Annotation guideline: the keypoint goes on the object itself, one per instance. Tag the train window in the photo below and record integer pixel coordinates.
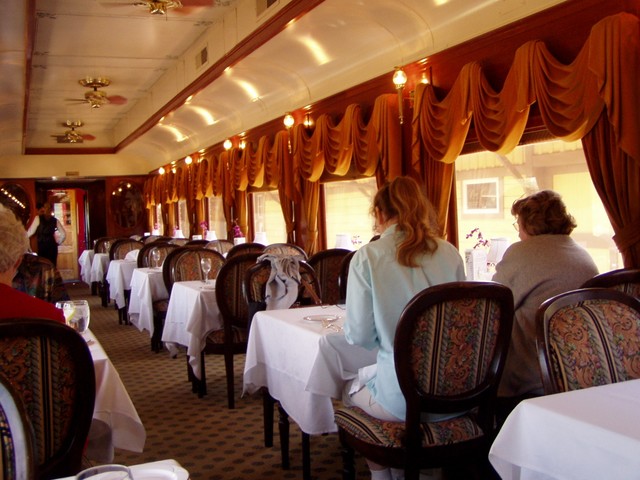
(215, 218)
(488, 184)
(268, 219)
(183, 218)
(348, 205)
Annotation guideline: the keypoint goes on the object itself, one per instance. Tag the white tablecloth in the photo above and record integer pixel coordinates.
(147, 286)
(590, 434)
(302, 364)
(99, 266)
(119, 277)
(191, 315)
(85, 260)
(113, 406)
(143, 469)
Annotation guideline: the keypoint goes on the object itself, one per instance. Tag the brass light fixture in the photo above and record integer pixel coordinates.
(95, 97)
(399, 80)
(288, 123)
(227, 144)
(159, 7)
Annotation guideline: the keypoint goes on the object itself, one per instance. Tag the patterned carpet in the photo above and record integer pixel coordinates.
(202, 434)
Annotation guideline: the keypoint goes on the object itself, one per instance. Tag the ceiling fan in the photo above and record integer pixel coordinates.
(97, 98)
(160, 7)
(71, 135)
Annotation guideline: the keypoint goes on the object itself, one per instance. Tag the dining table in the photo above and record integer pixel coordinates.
(192, 313)
(116, 423)
(99, 266)
(302, 357)
(167, 469)
(119, 275)
(84, 260)
(588, 434)
(147, 286)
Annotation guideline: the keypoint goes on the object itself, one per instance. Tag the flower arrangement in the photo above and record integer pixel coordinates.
(480, 240)
(204, 226)
(237, 233)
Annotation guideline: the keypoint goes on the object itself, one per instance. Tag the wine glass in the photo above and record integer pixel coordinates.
(106, 472)
(155, 257)
(77, 314)
(205, 263)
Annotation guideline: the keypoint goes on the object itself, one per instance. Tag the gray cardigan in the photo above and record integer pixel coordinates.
(536, 269)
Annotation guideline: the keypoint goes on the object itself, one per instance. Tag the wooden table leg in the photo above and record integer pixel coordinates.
(306, 456)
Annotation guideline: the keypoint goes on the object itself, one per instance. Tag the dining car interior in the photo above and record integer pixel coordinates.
(212, 167)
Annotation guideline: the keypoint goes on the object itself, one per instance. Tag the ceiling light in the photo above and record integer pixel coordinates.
(188, 160)
(161, 170)
(227, 144)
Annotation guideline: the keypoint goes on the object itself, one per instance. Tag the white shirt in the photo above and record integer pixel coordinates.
(62, 234)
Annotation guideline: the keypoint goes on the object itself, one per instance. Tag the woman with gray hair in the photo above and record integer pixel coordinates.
(13, 245)
(546, 262)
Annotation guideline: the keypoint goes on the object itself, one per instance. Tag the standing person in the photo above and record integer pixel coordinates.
(45, 226)
(383, 277)
(544, 263)
(13, 245)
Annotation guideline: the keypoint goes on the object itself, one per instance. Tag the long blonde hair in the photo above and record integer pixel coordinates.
(402, 198)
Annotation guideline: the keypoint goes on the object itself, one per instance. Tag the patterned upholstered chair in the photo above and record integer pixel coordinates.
(285, 249)
(16, 436)
(231, 339)
(144, 256)
(344, 275)
(50, 367)
(241, 248)
(626, 280)
(327, 265)
(254, 291)
(220, 245)
(38, 277)
(449, 350)
(588, 337)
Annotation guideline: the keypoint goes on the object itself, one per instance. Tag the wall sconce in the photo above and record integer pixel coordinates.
(308, 121)
(161, 170)
(399, 80)
(242, 144)
(188, 160)
(288, 123)
(227, 144)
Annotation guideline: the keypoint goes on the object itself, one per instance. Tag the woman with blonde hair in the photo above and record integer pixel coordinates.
(384, 275)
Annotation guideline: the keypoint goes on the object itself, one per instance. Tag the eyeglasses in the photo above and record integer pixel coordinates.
(516, 226)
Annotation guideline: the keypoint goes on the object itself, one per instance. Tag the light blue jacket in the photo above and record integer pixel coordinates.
(378, 290)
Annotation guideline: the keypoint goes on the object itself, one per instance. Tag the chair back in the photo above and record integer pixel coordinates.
(122, 246)
(184, 264)
(241, 248)
(199, 243)
(286, 249)
(327, 265)
(38, 277)
(144, 256)
(450, 348)
(255, 281)
(181, 242)
(103, 244)
(155, 238)
(588, 337)
(50, 367)
(222, 246)
(16, 436)
(344, 274)
(626, 280)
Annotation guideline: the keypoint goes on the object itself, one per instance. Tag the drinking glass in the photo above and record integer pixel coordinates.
(77, 314)
(106, 472)
(155, 256)
(205, 263)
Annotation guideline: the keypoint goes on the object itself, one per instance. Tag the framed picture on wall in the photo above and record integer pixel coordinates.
(481, 196)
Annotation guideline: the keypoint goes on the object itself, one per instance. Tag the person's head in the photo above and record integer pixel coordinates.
(13, 242)
(542, 213)
(402, 202)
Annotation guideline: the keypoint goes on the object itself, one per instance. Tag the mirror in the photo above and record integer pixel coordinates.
(16, 198)
(127, 205)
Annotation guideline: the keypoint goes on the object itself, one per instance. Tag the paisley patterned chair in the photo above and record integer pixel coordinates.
(327, 264)
(241, 248)
(588, 337)
(16, 436)
(38, 277)
(626, 280)
(232, 338)
(50, 368)
(449, 350)
(285, 249)
(222, 246)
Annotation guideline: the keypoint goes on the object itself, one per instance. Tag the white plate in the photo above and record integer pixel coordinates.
(321, 318)
(168, 472)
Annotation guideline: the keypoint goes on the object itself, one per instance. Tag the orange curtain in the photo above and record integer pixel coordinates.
(571, 99)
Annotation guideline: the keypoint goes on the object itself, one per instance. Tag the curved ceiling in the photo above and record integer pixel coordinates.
(152, 61)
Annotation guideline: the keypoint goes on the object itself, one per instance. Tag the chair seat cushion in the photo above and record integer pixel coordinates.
(217, 336)
(390, 434)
